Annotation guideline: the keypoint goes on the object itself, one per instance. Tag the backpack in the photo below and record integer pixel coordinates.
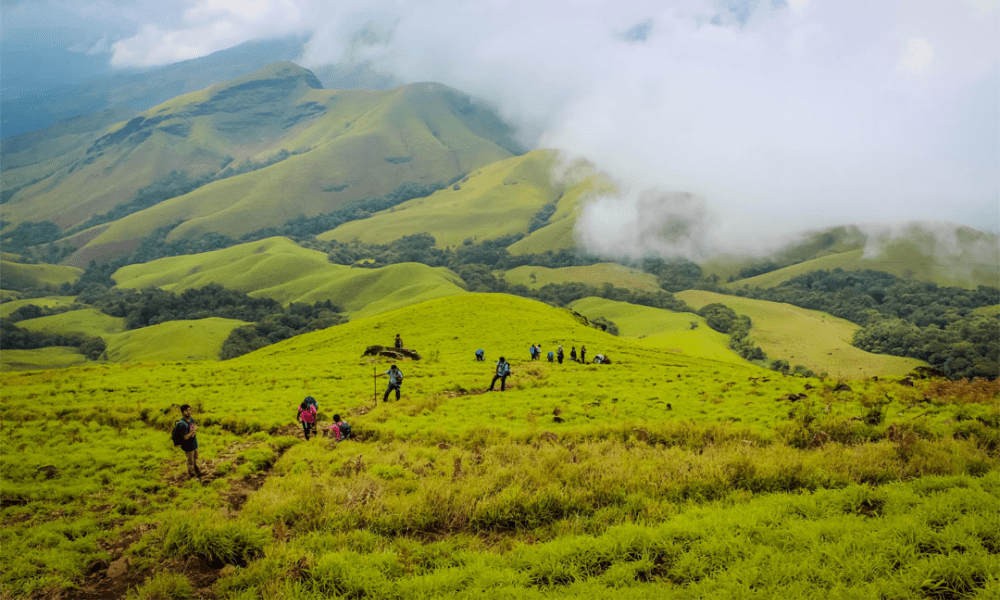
(177, 436)
(345, 430)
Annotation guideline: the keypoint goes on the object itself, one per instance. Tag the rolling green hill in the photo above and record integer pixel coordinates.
(596, 275)
(661, 328)
(499, 199)
(278, 268)
(88, 321)
(946, 254)
(54, 357)
(810, 338)
(47, 302)
(172, 341)
(655, 473)
(420, 133)
(22, 276)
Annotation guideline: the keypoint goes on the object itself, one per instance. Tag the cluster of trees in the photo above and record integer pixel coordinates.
(13, 337)
(678, 274)
(904, 318)
(296, 320)
(725, 320)
(420, 248)
(271, 322)
(29, 234)
(153, 305)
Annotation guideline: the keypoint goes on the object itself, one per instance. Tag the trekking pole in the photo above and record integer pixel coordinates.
(375, 383)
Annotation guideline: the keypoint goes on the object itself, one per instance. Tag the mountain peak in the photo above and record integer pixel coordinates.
(275, 72)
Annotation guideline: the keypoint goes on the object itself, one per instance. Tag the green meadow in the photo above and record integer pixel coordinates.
(278, 268)
(810, 338)
(498, 199)
(658, 475)
(597, 275)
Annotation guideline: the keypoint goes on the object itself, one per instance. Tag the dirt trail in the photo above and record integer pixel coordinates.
(112, 579)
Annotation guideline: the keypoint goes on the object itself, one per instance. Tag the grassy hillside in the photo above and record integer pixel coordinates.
(596, 275)
(278, 268)
(21, 276)
(805, 337)
(47, 302)
(496, 200)
(55, 357)
(946, 254)
(89, 321)
(655, 476)
(421, 133)
(171, 341)
(662, 329)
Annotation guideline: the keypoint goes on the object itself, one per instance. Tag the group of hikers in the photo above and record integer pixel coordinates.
(536, 353)
(185, 430)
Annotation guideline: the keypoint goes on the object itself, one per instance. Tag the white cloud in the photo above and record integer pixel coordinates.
(820, 113)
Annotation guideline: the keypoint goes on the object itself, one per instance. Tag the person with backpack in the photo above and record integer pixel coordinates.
(559, 354)
(395, 381)
(583, 354)
(534, 352)
(307, 416)
(398, 343)
(185, 435)
(480, 355)
(550, 356)
(340, 429)
(572, 354)
(503, 372)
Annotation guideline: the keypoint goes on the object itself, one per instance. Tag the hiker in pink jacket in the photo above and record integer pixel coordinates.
(307, 415)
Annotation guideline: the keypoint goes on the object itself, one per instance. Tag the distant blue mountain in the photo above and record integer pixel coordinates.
(35, 100)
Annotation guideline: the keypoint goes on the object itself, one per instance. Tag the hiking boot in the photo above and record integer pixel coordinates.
(197, 471)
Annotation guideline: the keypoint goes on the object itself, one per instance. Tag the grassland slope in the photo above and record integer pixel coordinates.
(496, 200)
(596, 275)
(172, 341)
(420, 133)
(681, 333)
(278, 268)
(88, 321)
(22, 276)
(805, 337)
(946, 254)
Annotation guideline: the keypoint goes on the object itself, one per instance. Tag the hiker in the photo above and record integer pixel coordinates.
(480, 355)
(534, 352)
(550, 355)
(185, 435)
(572, 354)
(583, 354)
(598, 359)
(307, 416)
(538, 352)
(395, 380)
(503, 372)
(398, 342)
(559, 354)
(340, 429)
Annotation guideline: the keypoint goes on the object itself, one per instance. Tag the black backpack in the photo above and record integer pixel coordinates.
(177, 435)
(345, 430)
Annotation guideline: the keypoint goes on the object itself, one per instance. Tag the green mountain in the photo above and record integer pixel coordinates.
(269, 147)
(943, 253)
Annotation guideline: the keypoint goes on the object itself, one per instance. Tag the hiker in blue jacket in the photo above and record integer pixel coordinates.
(503, 372)
(395, 381)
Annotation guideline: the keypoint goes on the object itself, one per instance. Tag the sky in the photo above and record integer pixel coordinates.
(728, 124)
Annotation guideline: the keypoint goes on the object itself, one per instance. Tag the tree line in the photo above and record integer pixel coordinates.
(914, 319)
